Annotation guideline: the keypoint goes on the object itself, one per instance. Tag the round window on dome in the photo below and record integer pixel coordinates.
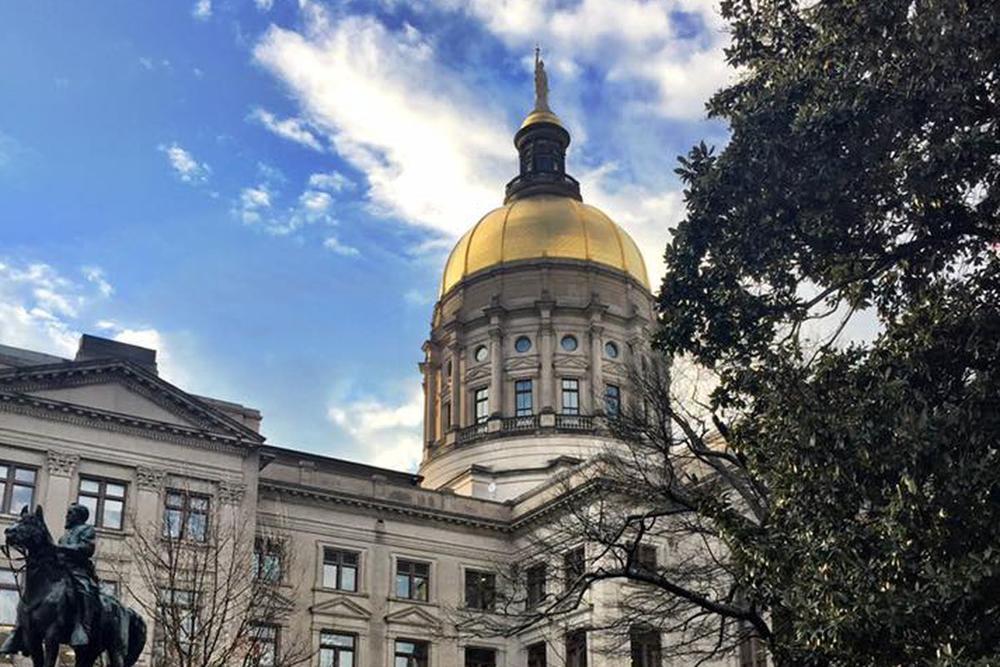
(569, 343)
(522, 344)
(611, 350)
(481, 353)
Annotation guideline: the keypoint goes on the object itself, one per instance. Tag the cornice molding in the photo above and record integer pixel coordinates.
(116, 422)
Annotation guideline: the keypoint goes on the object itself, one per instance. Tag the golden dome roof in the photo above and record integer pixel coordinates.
(543, 226)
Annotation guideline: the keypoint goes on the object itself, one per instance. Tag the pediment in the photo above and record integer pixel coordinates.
(120, 389)
(341, 607)
(571, 362)
(115, 397)
(415, 616)
(522, 364)
(477, 373)
(613, 368)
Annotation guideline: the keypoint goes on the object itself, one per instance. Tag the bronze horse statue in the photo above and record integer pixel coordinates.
(47, 611)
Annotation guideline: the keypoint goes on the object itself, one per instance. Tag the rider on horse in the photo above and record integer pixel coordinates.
(75, 549)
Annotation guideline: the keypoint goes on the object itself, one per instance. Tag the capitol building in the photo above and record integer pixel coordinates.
(544, 304)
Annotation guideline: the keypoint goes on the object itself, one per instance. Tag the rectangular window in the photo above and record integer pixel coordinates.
(445, 417)
(17, 488)
(336, 649)
(536, 576)
(410, 653)
(8, 597)
(573, 566)
(267, 557)
(576, 649)
(340, 569)
(105, 499)
(524, 402)
(480, 657)
(263, 645)
(752, 653)
(645, 557)
(537, 655)
(570, 396)
(480, 590)
(178, 625)
(612, 400)
(412, 580)
(185, 516)
(645, 645)
(482, 403)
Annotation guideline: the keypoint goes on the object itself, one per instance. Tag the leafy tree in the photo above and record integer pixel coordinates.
(861, 176)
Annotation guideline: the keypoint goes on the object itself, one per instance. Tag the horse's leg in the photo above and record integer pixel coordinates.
(37, 655)
(51, 649)
(85, 657)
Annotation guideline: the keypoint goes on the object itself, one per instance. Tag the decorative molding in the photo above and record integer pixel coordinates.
(566, 361)
(61, 464)
(414, 616)
(342, 607)
(530, 363)
(150, 479)
(81, 415)
(477, 373)
(231, 493)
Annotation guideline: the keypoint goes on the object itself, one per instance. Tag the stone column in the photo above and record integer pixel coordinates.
(496, 371)
(546, 334)
(457, 366)
(59, 492)
(596, 368)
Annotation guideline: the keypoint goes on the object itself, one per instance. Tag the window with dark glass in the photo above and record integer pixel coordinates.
(537, 655)
(645, 556)
(570, 396)
(576, 649)
(180, 606)
(17, 487)
(535, 585)
(522, 344)
(573, 566)
(569, 343)
(185, 516)
(481, 399)
(645, 647)
(480, 590)
(340, 569)
(412, 580)
(446, 416)
(267, 557)
(410, 653)
(612, 400)
(480, 657)
(752, 653)
(106, 501)
(611, 350)
(8, 597)
(336, 649)
(523, 399)
(263, 645)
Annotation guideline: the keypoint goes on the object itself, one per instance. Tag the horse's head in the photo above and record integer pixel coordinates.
(30, 531)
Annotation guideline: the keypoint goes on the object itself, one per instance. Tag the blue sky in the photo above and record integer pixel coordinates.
(266, 190)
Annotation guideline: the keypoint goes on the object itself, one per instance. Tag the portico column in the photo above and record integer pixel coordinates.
(546, 335)
(457, 364)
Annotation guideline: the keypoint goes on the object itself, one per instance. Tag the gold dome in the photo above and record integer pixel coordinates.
(543, 226)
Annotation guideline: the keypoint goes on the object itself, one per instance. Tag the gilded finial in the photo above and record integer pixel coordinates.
(541, 83)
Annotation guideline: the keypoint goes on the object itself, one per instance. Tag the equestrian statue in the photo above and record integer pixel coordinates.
(61, 601)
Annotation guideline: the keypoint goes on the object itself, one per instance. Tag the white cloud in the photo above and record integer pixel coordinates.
(333, 244)
(185, 165)
(96, 276)
(641, 41)
(255, 198)
(257, 207)
(202, 10)
(264, 5)
(432, 153)
(387, 434)
(293, 129)
(332, 181)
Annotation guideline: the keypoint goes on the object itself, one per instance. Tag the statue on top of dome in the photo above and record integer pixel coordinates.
(541, 83)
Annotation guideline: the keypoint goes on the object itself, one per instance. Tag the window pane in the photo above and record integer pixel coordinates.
(402, 586)
(422, 568)
(115, 490)
(349, 557)
(329, 576)
(8, 606)
(175, 500)
(90, 503)
(113, 513)
(3, 471)
(420, 586)
(24, 475)
(172, 523)
(199, 504)
(20, 497)
(89, 486)
(348, 579)
(196, 527)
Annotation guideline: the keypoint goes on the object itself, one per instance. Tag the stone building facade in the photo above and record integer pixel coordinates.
(544, 303)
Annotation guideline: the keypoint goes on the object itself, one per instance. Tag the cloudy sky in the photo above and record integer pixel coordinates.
(265, 190)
